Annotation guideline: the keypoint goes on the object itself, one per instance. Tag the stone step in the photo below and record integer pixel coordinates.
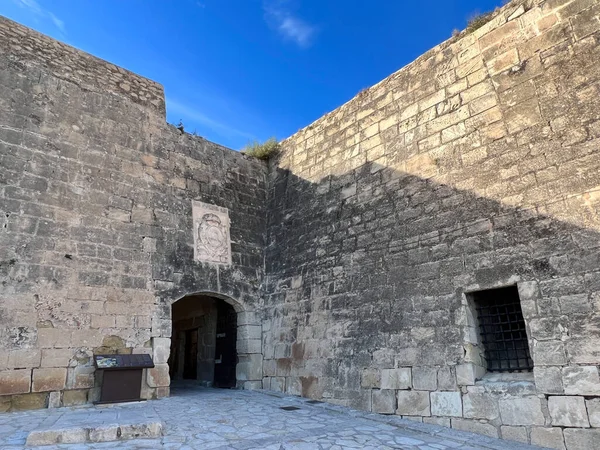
(102, 433)
(97, 424)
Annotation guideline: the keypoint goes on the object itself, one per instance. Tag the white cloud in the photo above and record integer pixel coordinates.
(279, 15)
(35, 8)
(59, 23)
(191, 114)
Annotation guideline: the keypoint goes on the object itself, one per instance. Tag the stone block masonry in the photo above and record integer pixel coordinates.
(475, 167)
(358, 255)
(96, 238)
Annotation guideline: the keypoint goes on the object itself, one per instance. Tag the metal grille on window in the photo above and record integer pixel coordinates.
(502, 330)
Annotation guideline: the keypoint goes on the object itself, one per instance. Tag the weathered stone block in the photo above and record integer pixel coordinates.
(441, 421)
(277, 384)
(581, 439)
(23, 402)
(103, 321)
(15, 381)
(80, 377)
(249, 368)
(145, 430)
(163, 391)
(249, 332)
(370, 378)
(396, 378)
(253, 385)
(549, 353)
(593, 409)
(5, 403)
(446, 404)
(106, 433)
(473, 426)
(292, 386)
(247, 318)
(518, 434)
(521, 411)
(56, 357)
(161, 348)
(384, 401)
(446, 378)
(45, 437)
(548, 437)
(581, 380)
(480, 406)
(568, 411)
(467, 374)
(424, 378)
(413, 403)
(548, 380)
(49, 379)
(249, 346)
(54, 399)
(24, 358)
(158, 376)
(73, 398)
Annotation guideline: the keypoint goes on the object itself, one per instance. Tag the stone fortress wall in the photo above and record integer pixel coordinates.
(356, 250)
(477, 166)
(96, 236)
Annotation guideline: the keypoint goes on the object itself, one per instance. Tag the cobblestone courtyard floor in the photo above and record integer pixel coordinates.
(230, 419)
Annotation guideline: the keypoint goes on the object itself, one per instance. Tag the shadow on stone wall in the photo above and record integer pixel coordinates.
(368, 270)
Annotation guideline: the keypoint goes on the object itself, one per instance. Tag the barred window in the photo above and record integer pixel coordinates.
(502, 330)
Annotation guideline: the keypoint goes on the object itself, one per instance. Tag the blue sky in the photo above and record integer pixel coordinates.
(239, 70)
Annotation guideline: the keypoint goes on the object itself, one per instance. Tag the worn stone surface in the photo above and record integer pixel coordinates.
(521, 411)
(518, 434)
(581, 439)
(581, 380)
(413, 403)
(384, 401)
(480, 406)
(15, 382)
(353, 252)
(396, 378)
(568, 411)
(474, 426)
(446, 404)
(48, 379)
(593, 409)
(96, 228)
(548, 437)
(229, 419)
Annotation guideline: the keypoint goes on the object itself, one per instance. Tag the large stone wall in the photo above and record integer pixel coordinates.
(475, 167)
(96, 236)
(353, 254)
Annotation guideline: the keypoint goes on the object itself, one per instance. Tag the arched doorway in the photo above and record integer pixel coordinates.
(215, 341)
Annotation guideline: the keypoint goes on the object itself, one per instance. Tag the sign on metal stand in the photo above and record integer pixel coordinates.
(122, 377)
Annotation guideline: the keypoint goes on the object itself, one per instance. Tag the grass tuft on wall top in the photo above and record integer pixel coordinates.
(262, 151)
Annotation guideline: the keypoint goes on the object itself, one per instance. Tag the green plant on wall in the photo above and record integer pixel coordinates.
(262, 151)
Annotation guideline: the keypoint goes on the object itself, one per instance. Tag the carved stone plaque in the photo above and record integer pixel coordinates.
(212, 242)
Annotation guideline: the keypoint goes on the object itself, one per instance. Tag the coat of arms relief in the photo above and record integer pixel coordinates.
(212, 242)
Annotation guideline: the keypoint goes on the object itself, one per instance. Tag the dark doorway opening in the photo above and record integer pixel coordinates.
(190, 363)
(203, 342)
(225, 348)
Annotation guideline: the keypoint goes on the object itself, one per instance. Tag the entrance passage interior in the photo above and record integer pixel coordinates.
(203, 343)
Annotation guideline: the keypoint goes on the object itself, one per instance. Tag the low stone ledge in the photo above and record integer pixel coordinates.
(100, 433)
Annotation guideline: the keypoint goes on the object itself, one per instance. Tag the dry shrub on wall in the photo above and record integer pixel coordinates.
(262, 151)
(479, 20)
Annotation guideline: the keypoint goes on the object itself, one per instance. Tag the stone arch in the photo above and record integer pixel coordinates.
(249, 338)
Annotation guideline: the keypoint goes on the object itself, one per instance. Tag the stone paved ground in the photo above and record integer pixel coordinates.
(245, 420)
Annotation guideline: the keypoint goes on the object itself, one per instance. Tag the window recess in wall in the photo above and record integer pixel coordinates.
(502, 330)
